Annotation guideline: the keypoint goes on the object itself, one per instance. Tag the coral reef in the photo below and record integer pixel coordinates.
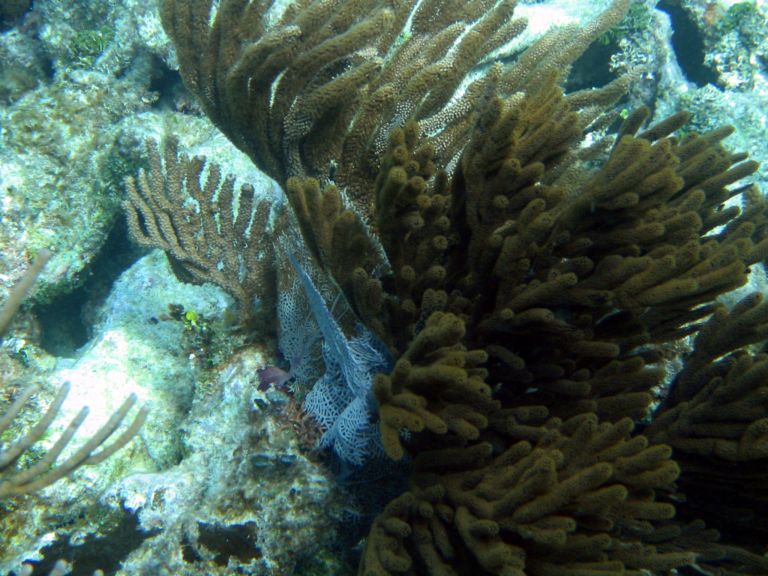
(244, 498)
(724, 44)
(588, 287)
(22, 471)
(527, 287)
(216, 471)
(532, 279)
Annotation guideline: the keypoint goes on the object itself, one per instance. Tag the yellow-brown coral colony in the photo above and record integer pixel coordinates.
(528, 287)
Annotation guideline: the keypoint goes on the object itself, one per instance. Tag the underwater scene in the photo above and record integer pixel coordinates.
(383, 288)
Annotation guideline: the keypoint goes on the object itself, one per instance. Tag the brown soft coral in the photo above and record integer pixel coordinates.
(579, 501)
(573, 286)
(531, 289)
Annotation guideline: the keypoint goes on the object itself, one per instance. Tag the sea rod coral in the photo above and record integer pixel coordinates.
(527, 287)
(17, 480)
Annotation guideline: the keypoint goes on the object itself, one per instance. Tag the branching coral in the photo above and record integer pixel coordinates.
(17, 480)
(325, 82)
(579, 502)
(572, 286)
(44, 472)
(528, 287)
(716, 419)
(214, 238)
